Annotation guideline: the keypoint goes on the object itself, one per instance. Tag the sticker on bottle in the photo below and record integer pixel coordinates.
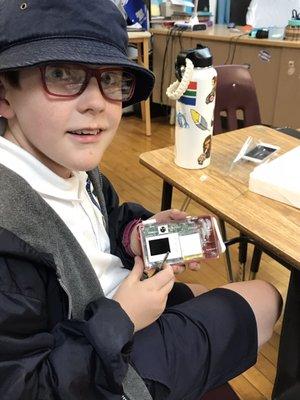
(181, 119)
(199, 120)
(291, 68)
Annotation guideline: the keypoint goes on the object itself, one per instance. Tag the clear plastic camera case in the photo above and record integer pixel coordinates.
(191, 239)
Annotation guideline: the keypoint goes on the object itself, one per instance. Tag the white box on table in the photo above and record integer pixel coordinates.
(279, 179)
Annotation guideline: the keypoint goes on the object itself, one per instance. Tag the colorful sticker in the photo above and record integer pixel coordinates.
(291, 68)
(199, 121)
(181, 119)
(210, 98)
(206, 150)
(189, 97)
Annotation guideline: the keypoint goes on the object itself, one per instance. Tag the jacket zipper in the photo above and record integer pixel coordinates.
(89, 191)
(94, 201)
(67, 293)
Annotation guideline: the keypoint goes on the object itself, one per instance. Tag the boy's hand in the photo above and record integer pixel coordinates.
(162, 217)
(144, 301)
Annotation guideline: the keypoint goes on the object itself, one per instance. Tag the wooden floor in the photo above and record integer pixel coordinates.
(135, 183)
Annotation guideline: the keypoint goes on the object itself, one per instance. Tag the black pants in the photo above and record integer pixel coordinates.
(197, 344)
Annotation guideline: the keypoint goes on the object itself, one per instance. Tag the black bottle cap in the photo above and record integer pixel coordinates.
(201, 56)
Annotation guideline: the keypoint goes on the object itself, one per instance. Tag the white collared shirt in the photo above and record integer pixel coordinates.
(70, 200)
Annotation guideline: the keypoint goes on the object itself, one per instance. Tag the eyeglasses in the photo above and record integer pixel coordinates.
(70, 80)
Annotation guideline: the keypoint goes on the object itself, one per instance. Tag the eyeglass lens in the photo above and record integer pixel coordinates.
(69, 80)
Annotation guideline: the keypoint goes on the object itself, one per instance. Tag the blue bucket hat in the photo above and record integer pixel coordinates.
(35, 32)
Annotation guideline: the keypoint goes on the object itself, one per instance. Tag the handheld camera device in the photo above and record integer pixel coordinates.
(260, 152)
(190, 239)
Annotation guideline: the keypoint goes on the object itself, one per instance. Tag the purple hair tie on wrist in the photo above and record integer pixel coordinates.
(127, 236)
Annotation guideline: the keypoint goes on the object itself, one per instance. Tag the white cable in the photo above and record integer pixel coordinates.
(176, 89)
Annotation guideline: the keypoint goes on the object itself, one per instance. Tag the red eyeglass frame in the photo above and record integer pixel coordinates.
(90, 73)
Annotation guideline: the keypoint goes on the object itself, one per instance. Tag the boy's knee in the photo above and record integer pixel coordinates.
(267, 311)
(272, 291)
(265, 301)
(197, 288)
(270, 298)
(258, 292)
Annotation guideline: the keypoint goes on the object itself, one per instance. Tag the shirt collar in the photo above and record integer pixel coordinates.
(41, 178)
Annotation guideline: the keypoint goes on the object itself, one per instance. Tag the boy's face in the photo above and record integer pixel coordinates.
(42, 124)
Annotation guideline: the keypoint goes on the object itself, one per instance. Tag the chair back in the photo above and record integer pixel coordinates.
(235, 94)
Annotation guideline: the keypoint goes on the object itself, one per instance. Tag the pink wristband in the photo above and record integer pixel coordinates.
(127, 236)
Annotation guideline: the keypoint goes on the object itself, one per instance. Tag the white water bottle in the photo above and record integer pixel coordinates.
(195, 109)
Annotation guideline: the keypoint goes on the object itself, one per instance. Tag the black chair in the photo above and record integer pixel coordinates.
(235, 93)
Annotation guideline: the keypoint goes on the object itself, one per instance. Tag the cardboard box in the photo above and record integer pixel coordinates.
(279, 179)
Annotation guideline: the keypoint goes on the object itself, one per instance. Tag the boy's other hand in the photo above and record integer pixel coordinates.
(169, 215)
(180, 268)
(144, 301)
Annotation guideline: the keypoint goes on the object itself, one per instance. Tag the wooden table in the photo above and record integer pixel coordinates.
(273, 225)
(141, 40)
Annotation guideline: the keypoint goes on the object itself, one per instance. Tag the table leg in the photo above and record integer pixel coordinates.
(287, 382)
(147, 102)
(147, 117)
(166, 199)
(227, 252)
(143, 59)
(256, 257)
(243, 248)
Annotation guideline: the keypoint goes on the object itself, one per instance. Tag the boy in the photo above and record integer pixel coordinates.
(74, 324)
